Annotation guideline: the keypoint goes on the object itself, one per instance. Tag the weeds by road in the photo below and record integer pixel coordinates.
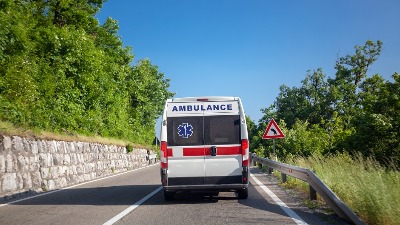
(369, 189)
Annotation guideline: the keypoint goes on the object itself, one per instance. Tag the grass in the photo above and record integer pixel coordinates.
(369, 189)
(8, 129)
(301, 189)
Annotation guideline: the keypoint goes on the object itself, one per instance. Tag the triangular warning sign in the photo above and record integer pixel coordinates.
(273, 131)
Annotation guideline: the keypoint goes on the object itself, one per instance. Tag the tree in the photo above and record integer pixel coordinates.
(61, 70)
(18, 91)
(148, 91)
(315, 90)
(77, 13)
(348, 113)
(351, 70)
(358, 63)
(290, 105)
(252, 132)
(307, 103)
(303, 140)
(378, 124)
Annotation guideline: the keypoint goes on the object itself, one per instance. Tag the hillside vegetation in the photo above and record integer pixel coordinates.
(350, 112)
(346, 128)
(368, 188)
(62, 71)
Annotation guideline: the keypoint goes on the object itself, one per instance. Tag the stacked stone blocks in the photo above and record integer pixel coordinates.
(29, 166)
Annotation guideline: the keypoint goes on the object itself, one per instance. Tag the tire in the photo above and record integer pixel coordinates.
(168, 195)
(243, 194)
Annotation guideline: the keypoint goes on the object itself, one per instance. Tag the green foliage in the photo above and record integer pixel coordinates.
(77, 13)
(303, 140)
(61, 70)
(307, 103)
(368, 188)
(129, 148)
(357, 64)
(146, 88)
(377, 125)
(252, 132)
(347, 113)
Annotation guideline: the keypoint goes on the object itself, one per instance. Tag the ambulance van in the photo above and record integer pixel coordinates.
(204, 146)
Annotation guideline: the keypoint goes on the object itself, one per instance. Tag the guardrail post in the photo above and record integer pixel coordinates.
(270, 170)
(283, 178)
(313, 193)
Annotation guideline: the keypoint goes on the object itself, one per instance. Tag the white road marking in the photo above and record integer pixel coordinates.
(131, 208)
(296, 218)
(76, 185)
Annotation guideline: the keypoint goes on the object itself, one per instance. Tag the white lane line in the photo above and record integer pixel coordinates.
(131, 208)
(296, 218)
(76, 185)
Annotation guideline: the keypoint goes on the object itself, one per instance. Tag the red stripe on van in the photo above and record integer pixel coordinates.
(169, 152)
(231, 150)
(193, 151)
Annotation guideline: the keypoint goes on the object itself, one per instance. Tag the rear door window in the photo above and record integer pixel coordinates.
(221, 130)
(185, 131)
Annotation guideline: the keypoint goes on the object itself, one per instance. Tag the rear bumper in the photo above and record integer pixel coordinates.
(217, 187)
(222, 183)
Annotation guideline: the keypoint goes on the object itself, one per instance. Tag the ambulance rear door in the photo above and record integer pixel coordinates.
(185, 134)
(222, 142)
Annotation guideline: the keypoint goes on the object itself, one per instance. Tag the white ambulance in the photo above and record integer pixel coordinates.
(204, 146)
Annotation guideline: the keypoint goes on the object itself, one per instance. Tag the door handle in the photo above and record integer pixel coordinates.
(213, 150)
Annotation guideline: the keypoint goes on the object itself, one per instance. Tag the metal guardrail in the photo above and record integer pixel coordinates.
(316, 185)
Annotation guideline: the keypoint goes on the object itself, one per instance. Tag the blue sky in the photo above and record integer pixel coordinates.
(250, 48)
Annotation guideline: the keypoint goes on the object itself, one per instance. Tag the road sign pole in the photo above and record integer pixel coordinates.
(273, 143)
(272, 132)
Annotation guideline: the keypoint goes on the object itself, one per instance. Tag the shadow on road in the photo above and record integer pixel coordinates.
(110, 195)
(130, 194)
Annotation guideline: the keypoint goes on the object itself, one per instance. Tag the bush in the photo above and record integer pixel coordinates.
(129, 148)
(370, 190)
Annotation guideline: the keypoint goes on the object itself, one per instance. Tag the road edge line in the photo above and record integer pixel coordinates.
(294, 216)
(75, 185)
(132, 207)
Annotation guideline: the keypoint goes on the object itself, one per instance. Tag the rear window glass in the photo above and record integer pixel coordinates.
(219, 130)
(185, 131)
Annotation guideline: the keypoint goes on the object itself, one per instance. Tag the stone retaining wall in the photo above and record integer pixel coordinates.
(29, 166)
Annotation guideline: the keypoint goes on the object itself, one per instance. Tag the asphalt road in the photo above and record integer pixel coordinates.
(120, 199)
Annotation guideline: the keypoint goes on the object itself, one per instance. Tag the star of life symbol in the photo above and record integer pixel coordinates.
(185, 130)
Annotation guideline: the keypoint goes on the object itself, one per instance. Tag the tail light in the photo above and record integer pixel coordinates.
(245, 152)
(164, 155)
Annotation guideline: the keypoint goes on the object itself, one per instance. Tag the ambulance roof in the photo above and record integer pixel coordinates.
(205, 99)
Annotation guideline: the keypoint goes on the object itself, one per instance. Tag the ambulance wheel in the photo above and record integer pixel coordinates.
(243, 194)
(168, 195)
